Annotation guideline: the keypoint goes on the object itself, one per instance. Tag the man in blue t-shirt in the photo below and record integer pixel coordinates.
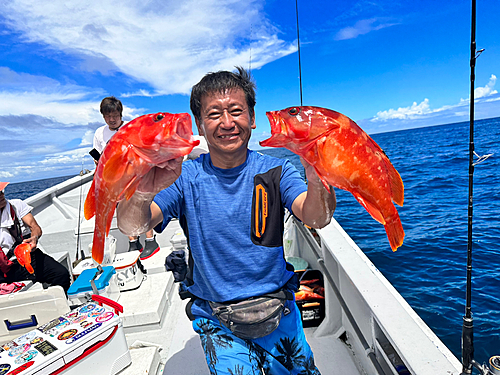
(230, 203)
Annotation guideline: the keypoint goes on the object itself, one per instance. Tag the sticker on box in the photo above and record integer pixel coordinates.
(46, 348)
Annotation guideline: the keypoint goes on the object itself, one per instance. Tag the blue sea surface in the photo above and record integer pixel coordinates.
(23, 190)
(429, 270)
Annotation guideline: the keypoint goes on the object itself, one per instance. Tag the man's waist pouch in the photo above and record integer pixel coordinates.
(254, 317)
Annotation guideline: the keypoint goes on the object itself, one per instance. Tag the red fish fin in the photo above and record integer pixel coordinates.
(129, 189)
(28, 265)
(89, 206)
(395, 232)
(115, 167)
(372, 210)
(397, 186)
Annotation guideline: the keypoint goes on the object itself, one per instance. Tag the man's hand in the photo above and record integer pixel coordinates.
(32, 241)
(316, 206)
(160, 177)
(311, 175)
(138, 215)
(36, 231)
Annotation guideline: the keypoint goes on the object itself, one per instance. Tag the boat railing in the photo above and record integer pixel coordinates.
(50, 195)
(366, 312)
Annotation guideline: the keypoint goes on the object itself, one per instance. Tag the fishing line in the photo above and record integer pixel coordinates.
(250, 60)
(78, 238)
(298, 49)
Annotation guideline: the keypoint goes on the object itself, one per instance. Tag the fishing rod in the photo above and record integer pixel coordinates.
(78, 237)
(468, 361)
(298, 48)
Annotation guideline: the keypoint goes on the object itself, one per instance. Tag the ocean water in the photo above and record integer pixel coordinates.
(429, 270)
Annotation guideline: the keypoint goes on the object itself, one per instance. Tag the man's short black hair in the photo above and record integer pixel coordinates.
(111, 104)
(220, 82)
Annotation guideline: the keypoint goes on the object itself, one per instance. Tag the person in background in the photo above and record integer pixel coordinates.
(230, 204)
(17, 225)
(111, 110)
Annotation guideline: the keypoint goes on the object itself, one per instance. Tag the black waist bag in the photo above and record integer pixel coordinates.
(254, 317)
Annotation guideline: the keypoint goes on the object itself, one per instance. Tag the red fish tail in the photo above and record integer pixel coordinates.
(98, 247)
(89, 206)
(397, 187)
(395, 232)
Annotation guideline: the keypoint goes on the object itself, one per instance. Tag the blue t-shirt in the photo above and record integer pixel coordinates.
(233, 219)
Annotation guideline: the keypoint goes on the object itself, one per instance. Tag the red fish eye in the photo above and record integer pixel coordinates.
(158, 117)
(294, 111)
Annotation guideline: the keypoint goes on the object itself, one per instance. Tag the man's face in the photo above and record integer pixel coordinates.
(226, 123)
(3, 201)
(113, 120)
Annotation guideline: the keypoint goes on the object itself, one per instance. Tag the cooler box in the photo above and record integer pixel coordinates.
(87, 340)
(128, 268)
(312, 307)
(108, 257)
(23, 311)
(81, 290)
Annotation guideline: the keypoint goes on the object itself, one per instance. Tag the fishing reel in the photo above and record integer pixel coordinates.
(494, 365)
(493, 368)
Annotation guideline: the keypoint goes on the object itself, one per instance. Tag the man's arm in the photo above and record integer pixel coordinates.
(140, 214)
(36, 231)
(314, 207)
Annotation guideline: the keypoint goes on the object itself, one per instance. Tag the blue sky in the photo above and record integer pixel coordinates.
(387, 65)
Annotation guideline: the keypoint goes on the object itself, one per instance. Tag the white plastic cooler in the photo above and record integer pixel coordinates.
(87, 340)
(23, 311)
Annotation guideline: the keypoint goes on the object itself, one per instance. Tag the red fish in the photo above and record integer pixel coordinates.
(137, 147)
(343, 156)
(23, 255)
(306, 293)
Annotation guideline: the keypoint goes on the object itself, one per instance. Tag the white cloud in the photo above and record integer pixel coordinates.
(23, 93)
(481, 92)
(5, 175)
(169, 45)
(404, 112)
(422, 114)
(53, 164)
(362, 27)
(416, 111)
(88, 138)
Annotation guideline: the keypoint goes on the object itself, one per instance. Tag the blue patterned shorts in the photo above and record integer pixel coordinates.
(285, 351)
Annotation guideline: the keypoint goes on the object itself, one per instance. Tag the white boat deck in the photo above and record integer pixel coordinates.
(366, 319)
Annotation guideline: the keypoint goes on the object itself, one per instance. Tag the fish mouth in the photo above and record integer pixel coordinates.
(277, 130)
(184, 128)
(184, 131)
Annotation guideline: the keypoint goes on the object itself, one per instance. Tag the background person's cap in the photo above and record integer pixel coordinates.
(3, 185)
